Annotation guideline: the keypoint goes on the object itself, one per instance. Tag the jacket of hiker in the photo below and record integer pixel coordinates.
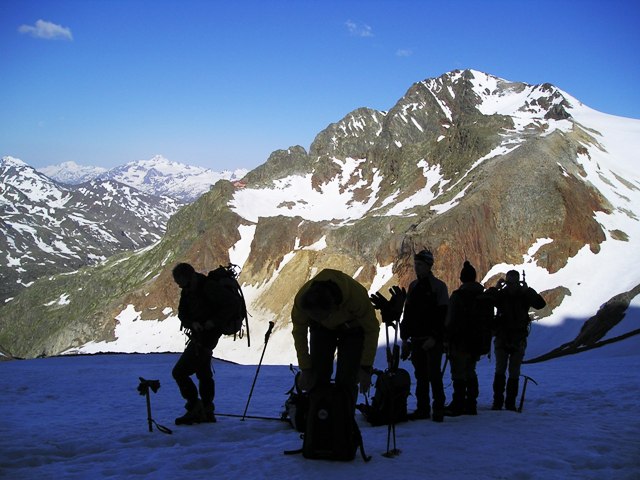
(354, 310)
(425, 309)
(199, 304)
(512, 319)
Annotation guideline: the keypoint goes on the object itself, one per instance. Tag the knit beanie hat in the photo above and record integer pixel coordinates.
(468, 273)
(424, 256)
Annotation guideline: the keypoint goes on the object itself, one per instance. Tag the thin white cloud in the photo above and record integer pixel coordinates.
(358, 30)
(404, 52)
(46, 30)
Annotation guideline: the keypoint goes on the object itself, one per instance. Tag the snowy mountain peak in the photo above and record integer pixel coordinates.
(71, 173)
(156, 176)
(160, 176)
(9, 161)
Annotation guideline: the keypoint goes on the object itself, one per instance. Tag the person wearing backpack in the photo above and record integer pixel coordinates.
(202, 306)
(332, 312)
(422, 334)
(512, 299)
(462, 333)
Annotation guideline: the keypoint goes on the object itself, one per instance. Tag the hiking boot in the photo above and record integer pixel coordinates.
(512, 393)
(209, 416)
(195, 414)
(452, 410)
(470, 409)
(419, 415)
(438, 415)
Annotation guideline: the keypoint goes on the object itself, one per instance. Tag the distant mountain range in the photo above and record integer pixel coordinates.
(48, 228)
(156, 176)
(504, 174)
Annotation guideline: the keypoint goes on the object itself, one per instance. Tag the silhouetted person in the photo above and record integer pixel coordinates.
(200, 303)
(513, 299)
(422, 334)
(462, 326)
(332, 312)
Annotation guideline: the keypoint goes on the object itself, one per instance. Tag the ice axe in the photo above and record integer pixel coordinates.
(143, 389)
(524, 389)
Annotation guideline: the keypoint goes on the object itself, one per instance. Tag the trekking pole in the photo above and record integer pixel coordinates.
(266, 340)
(391, 428)
(149, 420)
(389, 354)
(524, 389)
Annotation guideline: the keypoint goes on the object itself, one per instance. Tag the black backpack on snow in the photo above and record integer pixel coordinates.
(223, 281)
(389, 403)
(331, 431)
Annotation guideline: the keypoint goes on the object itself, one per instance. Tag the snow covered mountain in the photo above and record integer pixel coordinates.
(157, 176)
(71, 173)
(504, 174)
(48, 228)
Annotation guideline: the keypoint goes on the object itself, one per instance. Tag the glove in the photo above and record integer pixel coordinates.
(390, 309)
(398, 297)
(405, 352)
(379, 301)
(429, 343)
(307, 380)
(364, 379)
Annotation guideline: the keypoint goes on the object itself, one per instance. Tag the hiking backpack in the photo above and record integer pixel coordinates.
(331, 431)
(484, 325)
(478, 322)
(296, 406)
(389, 404)
(225, 278)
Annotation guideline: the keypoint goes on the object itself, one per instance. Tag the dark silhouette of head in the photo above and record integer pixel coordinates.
(320, 300)
(468, 273)
(422, 262)
(183, 274)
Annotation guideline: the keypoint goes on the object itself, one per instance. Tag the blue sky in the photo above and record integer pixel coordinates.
(222, 84)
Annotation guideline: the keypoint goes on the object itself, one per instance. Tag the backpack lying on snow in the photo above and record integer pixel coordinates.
(331, 431)
(232, 311)
(389, 404)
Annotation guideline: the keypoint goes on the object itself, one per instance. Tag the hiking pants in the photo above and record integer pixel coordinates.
(195, 359)
(349, 343)
(463, 365)
(427, 365)
(509, 358)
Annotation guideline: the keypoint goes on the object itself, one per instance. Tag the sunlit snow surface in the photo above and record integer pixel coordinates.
(76, 418)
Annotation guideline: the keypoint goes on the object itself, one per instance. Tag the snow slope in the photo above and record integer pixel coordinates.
(74, 418)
